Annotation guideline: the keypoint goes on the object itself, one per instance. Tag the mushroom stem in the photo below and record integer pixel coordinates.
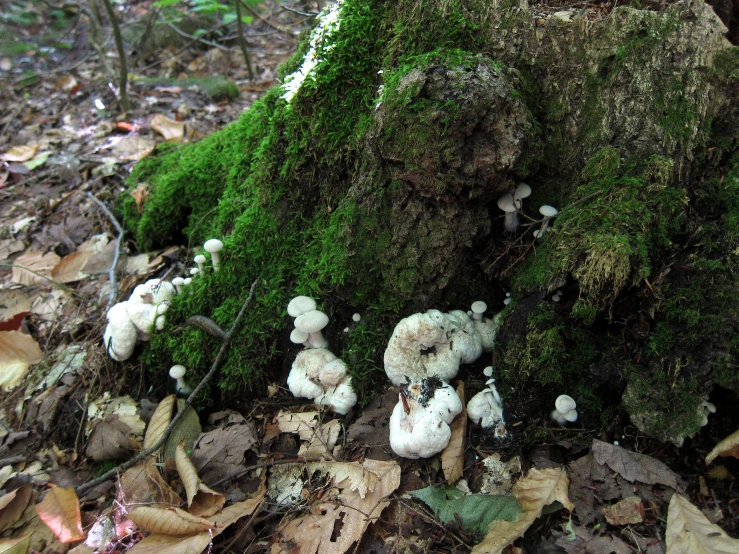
(216, 260)
(316, 340)
(510, 223)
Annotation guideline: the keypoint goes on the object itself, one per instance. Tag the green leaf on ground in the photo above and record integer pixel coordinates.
(475, 511)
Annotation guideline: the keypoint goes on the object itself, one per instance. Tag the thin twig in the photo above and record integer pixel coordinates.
(121, 55)
(267, 22)
(302, 14)
(181, 413)
(242, 40)
(117, 253)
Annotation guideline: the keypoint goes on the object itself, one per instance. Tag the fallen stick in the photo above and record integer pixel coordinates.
(181, 413)
(117, 253)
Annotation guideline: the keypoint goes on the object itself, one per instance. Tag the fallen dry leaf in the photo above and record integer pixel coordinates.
(142, 484)
(159, 421)
(12, 505)
(34, 267)
(322, 441)
(12, 303)
(452, 457)
(633, 466)
(168, 128)
(110, 440)
(335, 523)
(585, 542)
(8, 247)
(20, 153)
(628, 511)
(169, 521)
(170, 544)
(352, 474)
(201, 500)
(15, 546)
(302, 424)
(18, 352)
(133, 148)
(141, 194)
(69, 268)
(220, 453)
(533, 492)
(138, 265)
(690, 532)
(727, 447)
(60, 511)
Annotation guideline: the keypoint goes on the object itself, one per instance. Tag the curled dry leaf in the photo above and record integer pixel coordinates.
(170, 521)
(452, 457)
(168, 128)
(142, 484)
(12, 505)
(690, 532)
(18, 352)
(533, 492)
(60, 511)
(159, 421)
(727, 447)
(201, 500)
(140, 195)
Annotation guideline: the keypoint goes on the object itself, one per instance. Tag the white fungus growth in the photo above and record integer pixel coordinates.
(200, 260)
(356, 318)
(319, 375)
(321, 43)
(213, 247)
(564, 411)
(177, 372)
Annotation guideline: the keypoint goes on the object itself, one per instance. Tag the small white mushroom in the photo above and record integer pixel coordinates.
(300, 305)
(120, 334)
(299, 337)
(177, 372)
(548, 212)
(507, 301)
(178, 282)
(556, 298)
(510, 223)
(187, 281)
(194, 271)
(488, 371)
(564, 410)
(200, 260)
(356, 318)
(522, 191)
(312, 322)
(478, 309)
(486, 409)
(214, 246)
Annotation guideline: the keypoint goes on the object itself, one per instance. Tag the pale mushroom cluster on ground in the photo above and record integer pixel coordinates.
(317, 373)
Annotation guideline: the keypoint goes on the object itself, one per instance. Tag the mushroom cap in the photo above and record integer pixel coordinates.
(558, 417)
(565, 404)
(300, 305)
(178, 281)
(571, 416)
(187, 281)
(506, 204)
(199, 259)
(479, 307)
(488, 371)
(194, 271)
(548, 211)
(522, 191)
(298, 336)
(177, 371)
(311, 322)
(356, 318)
(213, 245)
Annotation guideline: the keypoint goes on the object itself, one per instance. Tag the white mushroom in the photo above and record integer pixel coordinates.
(178, 282)
(564, 410)
(214, 246)
(299, 337)
(463, 339)
(510, 223)
(419, 424)
(187, 281)
(522, 191)
(487, 330)
(194, 271)
(312, 322)
(177, 372)
(319, 375)
(200, 260)
(300, 305)
(548, 212)
(486, 409)
(120, 334)
(340, 398)
(478, 309)
(356, 318)
(488, 371)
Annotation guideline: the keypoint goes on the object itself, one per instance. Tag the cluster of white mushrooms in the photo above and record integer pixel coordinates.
(317, 373)
(511, 205)
(136, 318)
(486, 407)
(425, 352)
(564, 410)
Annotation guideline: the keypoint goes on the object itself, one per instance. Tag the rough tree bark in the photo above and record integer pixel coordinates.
(373, 185)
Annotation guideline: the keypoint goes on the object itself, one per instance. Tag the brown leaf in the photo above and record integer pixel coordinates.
(15, 546)
(452, 457)
(159, 421)
(335, 525)
(727, 447)
(18, 352)
(13, 302)
(201, 500)
(633, 466)
(171, 544)
(171, 130)
(169, 521)
(628, 511)
(20, 153)
(690, 532)
(141, 194)
(142, 484)
(33, 267)
(8, 247)
(234, 512)
(133, 148)
(60, 511)
(323, 440)
(302, 424)
(533, 492)
(12, 505)
(587, 543)
(69, 268)
(220, 452)
(110, 440)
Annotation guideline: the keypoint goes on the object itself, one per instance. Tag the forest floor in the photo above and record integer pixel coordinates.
(289, 475)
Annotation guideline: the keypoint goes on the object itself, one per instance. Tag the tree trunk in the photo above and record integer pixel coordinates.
(370, 179)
